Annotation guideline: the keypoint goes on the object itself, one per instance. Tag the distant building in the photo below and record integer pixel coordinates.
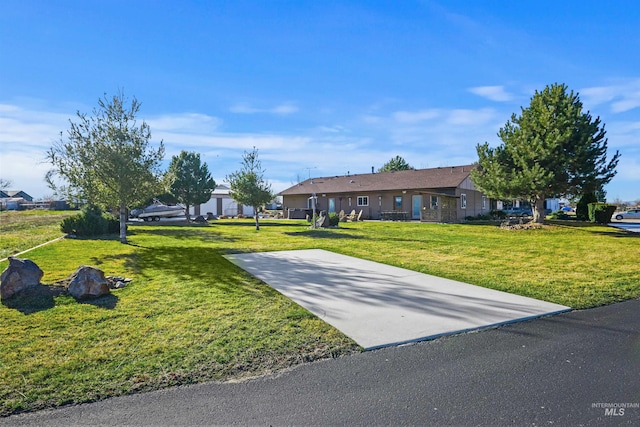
(14, 200)
(19, 193)
(220, 204)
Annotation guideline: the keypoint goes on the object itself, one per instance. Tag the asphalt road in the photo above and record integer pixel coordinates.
(559, 370)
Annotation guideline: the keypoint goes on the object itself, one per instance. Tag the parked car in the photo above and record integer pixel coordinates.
(628, 214)
(518, 212)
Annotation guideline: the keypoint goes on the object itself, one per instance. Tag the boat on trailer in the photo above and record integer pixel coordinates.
(158, 210)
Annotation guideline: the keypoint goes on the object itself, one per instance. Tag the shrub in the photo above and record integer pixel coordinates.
(498, 214)
(90, 222)
(582, 207)
(334, 219)
(558, 215)
(479, 217)
(601, 212)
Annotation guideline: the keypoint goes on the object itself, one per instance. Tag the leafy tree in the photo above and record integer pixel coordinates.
(396, 164)
(165, 197)
(248, 185)
(552, 149)
(105, 158)
(189, 180)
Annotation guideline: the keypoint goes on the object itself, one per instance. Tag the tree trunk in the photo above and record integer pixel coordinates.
(123, 223)
(538, 209)
(186, 212)
(255, 214)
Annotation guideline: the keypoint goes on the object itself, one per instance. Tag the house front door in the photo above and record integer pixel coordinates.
(332, 205)
(416, 206)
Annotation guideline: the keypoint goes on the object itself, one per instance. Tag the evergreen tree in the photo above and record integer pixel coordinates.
(189, 180)
(551, 149)
(396, 164)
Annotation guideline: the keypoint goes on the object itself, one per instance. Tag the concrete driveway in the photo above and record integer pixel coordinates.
(378, 305)
(627, 224)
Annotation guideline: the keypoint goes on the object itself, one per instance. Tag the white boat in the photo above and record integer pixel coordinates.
(159, 210)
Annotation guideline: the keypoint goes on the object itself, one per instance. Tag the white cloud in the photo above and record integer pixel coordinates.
(620, 97)
(179, 141)
(22, 128)
(416, 116)
(335, 129)
(493, 93)
(282, 109)
(623, 135)
(26, 171)
(424, 137)
(184, 122)
(464, 117)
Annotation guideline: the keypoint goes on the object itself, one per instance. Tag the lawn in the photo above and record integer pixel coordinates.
(21, 230)
(190, 315)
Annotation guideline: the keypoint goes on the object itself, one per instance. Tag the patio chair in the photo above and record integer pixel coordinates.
(352, 216)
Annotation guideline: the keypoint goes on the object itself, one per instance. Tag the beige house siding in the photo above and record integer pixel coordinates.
(414, 191)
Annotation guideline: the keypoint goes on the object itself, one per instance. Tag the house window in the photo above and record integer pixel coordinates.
(397, 205)
(434, 202)
(484, 202)
(363, 200)
(349, 201)
(463, 201)
(311, 201)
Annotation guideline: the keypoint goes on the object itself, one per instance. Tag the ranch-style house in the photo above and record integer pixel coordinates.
(444, 194)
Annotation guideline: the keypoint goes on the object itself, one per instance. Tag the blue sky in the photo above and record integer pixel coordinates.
(319, 87)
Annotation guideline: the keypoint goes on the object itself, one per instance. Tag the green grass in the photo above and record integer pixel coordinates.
(21, 230)
(190, 315)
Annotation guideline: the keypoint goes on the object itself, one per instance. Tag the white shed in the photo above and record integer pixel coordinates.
(221, 204)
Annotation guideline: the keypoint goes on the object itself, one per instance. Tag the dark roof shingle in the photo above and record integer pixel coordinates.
(434, 178)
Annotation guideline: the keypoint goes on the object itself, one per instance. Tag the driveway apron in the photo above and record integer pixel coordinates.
(378, 305)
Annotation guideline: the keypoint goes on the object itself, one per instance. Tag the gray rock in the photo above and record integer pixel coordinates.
(322, 222)
(88, 282)
(21, 274)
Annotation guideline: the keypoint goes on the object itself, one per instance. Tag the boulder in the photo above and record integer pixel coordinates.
(21, 274)
(322, 222)
(88, 282)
